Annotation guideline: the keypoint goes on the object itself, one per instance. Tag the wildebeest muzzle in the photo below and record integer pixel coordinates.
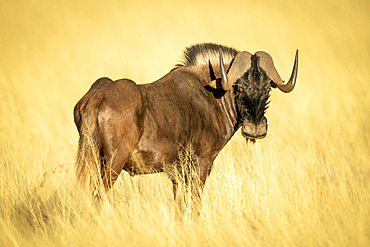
(252, 130)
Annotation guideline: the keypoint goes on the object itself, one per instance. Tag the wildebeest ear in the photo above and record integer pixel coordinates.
(240, 65)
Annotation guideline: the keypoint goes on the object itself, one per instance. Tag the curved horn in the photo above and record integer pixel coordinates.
(240, 65)
(224, 80)
(266, 63)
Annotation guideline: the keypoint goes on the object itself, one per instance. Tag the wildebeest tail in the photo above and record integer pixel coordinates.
(89, 159)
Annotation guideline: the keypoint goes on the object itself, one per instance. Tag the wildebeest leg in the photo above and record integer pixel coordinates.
(113, 168)
(116, 153)
(187, 195)
(188, 188)
(179, 196)
(119, 138)
(198, 182)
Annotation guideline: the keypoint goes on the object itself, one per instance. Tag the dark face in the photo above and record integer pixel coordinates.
(252, 91)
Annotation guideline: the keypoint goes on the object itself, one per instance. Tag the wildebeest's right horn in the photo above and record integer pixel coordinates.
(267, 64)
(240, 65)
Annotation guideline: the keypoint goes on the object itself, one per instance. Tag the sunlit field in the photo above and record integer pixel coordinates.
(306, 184)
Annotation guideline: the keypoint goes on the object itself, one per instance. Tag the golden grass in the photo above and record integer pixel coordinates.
(306, 184)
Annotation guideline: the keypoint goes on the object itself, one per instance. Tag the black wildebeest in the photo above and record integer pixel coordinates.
(202, 102)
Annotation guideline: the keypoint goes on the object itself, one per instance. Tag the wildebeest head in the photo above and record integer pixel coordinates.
(251, 78)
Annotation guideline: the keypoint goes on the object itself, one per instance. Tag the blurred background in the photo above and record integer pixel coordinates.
(52, 51)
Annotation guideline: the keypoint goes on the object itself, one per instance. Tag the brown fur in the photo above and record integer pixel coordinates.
(139, 128)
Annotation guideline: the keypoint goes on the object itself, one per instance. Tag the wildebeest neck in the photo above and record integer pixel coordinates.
(227, 104)
(224, 100)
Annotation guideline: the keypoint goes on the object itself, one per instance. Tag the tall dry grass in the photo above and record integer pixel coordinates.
(306, 184)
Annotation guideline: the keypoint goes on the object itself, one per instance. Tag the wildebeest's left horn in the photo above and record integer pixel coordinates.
(266, 63)
(240, 65)
(224, 80)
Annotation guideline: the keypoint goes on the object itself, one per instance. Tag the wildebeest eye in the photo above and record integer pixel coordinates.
(239, 89)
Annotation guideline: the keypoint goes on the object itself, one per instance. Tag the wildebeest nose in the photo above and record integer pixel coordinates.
(251, 130)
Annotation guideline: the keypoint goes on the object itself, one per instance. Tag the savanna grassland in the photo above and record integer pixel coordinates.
(306, 184)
